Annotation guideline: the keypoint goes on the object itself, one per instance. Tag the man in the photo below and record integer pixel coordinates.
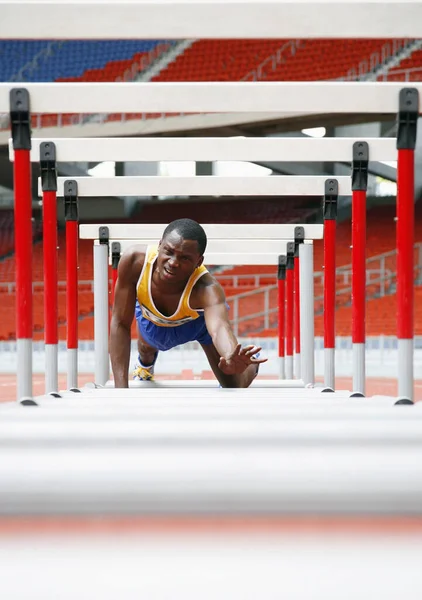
(175, 301)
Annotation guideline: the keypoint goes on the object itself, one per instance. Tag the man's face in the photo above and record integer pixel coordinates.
(177, 258)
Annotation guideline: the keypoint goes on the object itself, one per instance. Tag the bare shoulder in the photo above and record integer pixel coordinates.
(132, 262)
(206, 291)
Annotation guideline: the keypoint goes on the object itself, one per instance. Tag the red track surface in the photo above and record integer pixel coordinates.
(92, 525)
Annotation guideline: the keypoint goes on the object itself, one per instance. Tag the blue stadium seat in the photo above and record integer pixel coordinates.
(67, 59)
(15, 54)
(73, 58)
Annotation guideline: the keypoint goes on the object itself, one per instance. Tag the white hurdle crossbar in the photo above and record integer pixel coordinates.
(278, 185)
(317, 97)
(226, 250)
(208, 149)
(216, 19)
(214, 257)
(153, 232)
(246, 237)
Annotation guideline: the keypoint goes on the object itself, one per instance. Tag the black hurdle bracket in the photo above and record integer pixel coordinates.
(28, 402)
(290, 257)
(282, 262)
(48, 167)
(360, 166)
(115, 254)
(70, 193)
(20, 118)
(104, 235)
(407, 118)
(299, 239)
(330, 200)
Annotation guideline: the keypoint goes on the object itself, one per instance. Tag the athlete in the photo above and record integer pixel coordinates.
(175, 300)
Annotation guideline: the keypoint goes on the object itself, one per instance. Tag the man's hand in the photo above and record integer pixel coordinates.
(240, 359)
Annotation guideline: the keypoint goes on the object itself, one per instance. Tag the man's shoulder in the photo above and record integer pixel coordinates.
(206, 280)
(207, 289)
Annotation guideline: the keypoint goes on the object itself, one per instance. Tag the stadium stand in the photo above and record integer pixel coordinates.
(7, 266)
(7, 238)
(269, 60)
(381, 230)
(231, 60)
(114, 64)
(380, 317)
(409, 69)
(7, 234)
(207, 60)
(204, 60)
(219, 60)
(42, 61)
(14, 55)
(310, 62)
(252, 210)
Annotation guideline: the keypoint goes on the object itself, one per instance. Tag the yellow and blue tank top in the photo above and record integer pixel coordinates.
(184, 313)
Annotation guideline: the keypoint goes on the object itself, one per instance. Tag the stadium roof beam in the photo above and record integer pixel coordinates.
(213, 19)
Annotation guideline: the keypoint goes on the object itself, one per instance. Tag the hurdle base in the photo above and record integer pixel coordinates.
(51, 368)
(359, 367)
(24, 375)
(405, 369)
(72, 367)
(282, 371)
(297, 365)
(28, 402)
(329, 368)
(288, 365)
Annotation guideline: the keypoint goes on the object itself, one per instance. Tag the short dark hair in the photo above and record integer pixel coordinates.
(189, 230)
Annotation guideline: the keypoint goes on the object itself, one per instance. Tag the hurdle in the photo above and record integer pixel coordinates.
(294, 98)
(333, 430)
(254, 149)
(273, 475)
(257, 149)
(261, 149)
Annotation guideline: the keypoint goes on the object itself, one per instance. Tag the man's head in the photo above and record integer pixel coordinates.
(181, 250)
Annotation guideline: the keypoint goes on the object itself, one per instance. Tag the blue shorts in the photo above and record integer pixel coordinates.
(164, 338)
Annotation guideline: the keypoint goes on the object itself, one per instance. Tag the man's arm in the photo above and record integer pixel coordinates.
(234, 358)
(217, 320)
(121, 320)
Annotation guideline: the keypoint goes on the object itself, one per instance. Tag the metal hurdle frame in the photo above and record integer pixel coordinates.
(294, 98)
(217, 254)
(230, 148)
